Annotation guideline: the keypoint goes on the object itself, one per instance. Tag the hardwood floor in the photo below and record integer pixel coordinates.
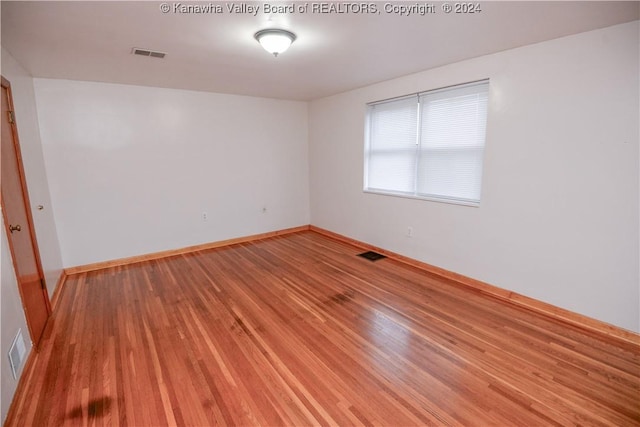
(298, 330)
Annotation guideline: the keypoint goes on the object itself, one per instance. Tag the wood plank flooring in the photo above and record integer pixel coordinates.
(298, 330)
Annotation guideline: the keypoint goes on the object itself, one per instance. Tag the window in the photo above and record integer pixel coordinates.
(428, 145)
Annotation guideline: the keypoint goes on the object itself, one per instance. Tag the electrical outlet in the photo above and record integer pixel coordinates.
(205, 217)
(409, 231)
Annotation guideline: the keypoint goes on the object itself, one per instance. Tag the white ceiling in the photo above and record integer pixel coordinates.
(89, 40)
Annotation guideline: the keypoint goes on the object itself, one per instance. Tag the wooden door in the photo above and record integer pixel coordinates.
(19, 225)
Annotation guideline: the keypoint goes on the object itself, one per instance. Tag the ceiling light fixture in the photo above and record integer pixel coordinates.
(275, 40)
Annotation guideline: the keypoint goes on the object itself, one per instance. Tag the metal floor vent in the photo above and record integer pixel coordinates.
(372, 256)
(16, 354)
(147, 52)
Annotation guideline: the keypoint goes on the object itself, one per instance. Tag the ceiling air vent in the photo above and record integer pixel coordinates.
(147, 52)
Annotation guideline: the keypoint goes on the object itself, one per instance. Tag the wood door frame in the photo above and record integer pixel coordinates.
(27, 202)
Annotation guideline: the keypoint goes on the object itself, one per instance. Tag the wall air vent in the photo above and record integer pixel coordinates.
(17, 352)
(147, 52)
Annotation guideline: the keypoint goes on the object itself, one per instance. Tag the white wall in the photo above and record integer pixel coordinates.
(558, 220)
(131, 169)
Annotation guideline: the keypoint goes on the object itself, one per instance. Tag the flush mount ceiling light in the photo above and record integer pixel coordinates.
(274, 40)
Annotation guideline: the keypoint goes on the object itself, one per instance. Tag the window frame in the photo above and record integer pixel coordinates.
(419, 148)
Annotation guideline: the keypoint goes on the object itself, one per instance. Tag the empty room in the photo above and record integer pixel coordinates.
(297, 213)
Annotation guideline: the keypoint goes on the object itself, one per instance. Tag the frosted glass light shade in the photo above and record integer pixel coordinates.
(275, 41)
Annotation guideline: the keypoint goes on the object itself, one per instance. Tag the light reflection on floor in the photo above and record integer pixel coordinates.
(391, 342)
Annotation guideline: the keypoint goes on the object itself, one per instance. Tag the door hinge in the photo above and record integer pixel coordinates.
(44, 285)
(12, 117)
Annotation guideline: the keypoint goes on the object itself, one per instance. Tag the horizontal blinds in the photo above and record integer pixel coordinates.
(429, 145)
(452, 136)
(392, 145)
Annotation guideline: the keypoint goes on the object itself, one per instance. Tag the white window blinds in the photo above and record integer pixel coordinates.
(429, 145)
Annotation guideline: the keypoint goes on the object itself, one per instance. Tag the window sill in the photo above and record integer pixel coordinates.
(427, 198)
